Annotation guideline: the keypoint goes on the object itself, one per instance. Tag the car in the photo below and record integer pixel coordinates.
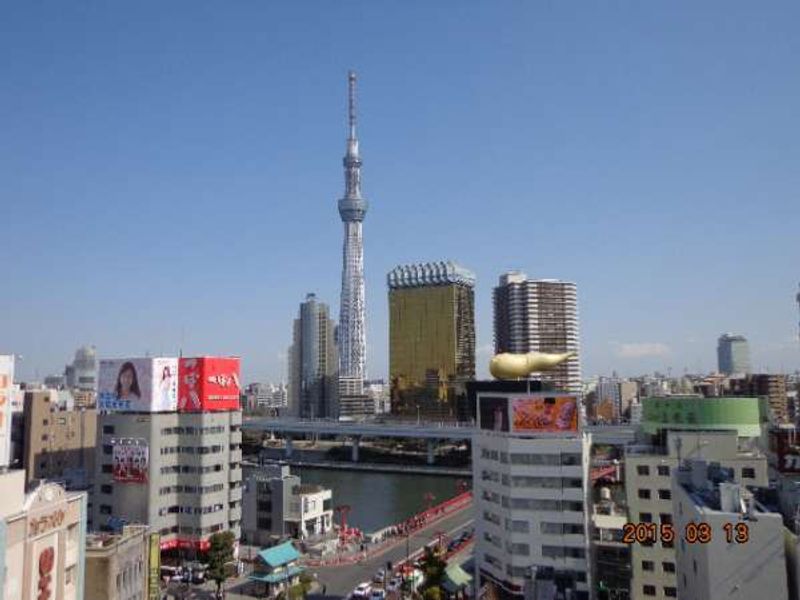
(362, 591)
(379, 576)
(394, 585)
(377, 594)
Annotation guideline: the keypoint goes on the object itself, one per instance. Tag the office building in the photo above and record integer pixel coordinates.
(725, 430)
(276, 504)
(769, 386)
(313, 384)
(733, 354)
(746, 554)
(81, 375)
(118, 566)
(180, 473)
(59, 444)
(531, 493)
(42, 540)
(352, 210)
(266, 396)
(431, 338)
(539, 315)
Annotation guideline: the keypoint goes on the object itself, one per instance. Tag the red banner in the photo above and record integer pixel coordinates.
(208, 384)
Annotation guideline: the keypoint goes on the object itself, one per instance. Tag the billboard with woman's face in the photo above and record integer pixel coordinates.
(138, 385)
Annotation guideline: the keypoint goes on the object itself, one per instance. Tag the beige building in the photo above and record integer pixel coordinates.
(648, 486)
(42, 538)
(58, 443)
(118, 566)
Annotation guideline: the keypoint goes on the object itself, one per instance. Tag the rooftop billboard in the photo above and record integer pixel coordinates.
(208, 384)
(544, 414)
(6, 393)
(138, 385)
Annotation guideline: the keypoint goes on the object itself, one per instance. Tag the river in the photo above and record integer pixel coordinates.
(380, 499)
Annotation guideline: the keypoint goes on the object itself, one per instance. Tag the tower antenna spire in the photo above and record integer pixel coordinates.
(351, 103)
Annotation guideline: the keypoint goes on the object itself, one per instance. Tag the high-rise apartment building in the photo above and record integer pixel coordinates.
(313, 385)
(530, 464)
(771, 386)
(431, 338)
(58, 443)
(733, 354)
(539, 315)
(352, 210)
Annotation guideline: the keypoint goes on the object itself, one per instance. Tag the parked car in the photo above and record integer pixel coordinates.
(379, 576)
(394, 584)
(362, 591)
(377, 594)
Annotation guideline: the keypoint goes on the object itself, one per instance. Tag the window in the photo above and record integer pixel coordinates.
(664, 495)
(648, 565)
(663, 470)
(105, 509)
(108, 430)
(748, 473)
(665, 518)
(106, 489)
(649, 590)
(694, 566)
(671, 592)
(521, 549)
(643, 470)
(644, 494)
(107, 449)
(44, 437)
(668, 567)
(107, 469)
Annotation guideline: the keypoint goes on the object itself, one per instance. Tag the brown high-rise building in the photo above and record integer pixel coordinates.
(539, 315)
(58, 443)
(431, 338)
(770, 386)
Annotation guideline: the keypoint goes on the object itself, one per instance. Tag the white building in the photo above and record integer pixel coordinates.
(310, 511)
(539, 315)
(531, 495)
(745, 556)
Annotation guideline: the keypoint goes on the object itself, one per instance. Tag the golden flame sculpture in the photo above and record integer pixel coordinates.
(515, 366)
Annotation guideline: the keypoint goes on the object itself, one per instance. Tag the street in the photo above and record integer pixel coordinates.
(340, 580)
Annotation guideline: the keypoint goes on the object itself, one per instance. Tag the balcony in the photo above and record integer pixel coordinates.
(235, 475)
(236, 456)
(235, 494)
(236, 437)
(235, 514)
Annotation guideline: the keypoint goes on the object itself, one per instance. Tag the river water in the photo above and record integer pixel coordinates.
(380, 499)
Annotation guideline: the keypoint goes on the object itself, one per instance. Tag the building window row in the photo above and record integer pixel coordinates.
(553, 505)
(646, 494)
(194, 430)
(546, 482)
(562, 459)
(547, 528)
(491, 517)
(563, 552)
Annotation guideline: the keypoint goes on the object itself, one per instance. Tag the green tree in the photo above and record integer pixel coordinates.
(433, 567)
(220, 557)
(432, 593)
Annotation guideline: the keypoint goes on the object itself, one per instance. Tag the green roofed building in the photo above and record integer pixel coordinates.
(277, 568)
(746, 416)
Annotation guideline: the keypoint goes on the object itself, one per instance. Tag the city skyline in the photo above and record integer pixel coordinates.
(635, 170)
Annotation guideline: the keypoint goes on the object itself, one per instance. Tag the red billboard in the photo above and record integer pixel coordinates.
(208, 384)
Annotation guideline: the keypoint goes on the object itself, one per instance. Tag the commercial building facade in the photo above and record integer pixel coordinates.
(42, 539)
(58, 443)
(431, 338)
(118, 565)
(539, 315)
(733, 354)
(649, 471)
(530, 474)
(178, 472)
(313, 363)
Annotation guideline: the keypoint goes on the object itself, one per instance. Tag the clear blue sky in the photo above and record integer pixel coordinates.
(169, 170)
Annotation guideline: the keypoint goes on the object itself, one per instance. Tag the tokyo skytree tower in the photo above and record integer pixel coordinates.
(352, 208)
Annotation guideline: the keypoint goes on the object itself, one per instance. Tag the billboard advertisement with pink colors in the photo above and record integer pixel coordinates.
(209, 384)
(544, 414)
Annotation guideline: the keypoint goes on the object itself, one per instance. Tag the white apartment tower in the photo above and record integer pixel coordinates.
(539, 315)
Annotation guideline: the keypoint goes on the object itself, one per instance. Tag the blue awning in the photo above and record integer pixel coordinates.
(278, 576)
(279, 555)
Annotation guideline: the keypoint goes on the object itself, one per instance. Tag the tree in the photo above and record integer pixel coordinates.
(220, 557)
(433, 566)
(432, 593)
